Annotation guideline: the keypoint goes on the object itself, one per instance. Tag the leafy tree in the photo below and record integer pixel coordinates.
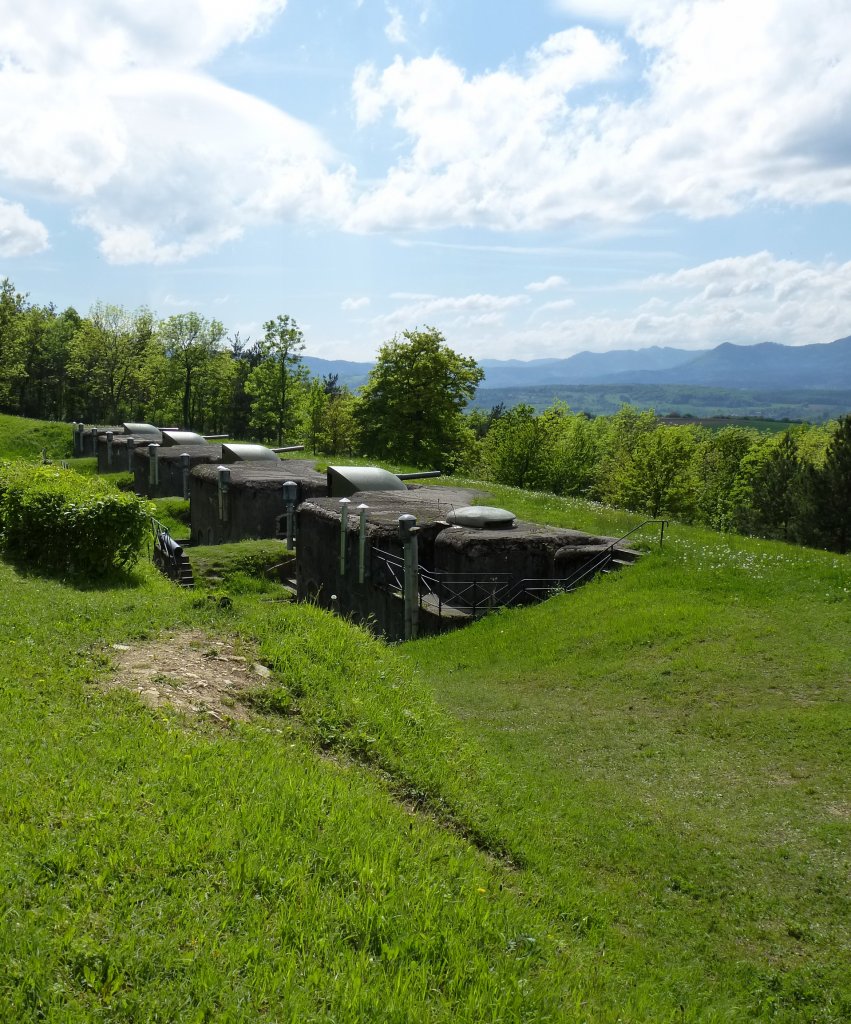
(625, 429)
(44, 336)
(825, 510)
(12, 366)
(411, 408)
(654, 475)
(770, 493)
(316, 405)
(279, 382)
(519, 448)
(246, 357)
(340, 431)
(190, 342)
(106, 362)
(718, 464)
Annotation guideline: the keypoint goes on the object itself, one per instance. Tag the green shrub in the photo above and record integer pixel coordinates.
(57, 520)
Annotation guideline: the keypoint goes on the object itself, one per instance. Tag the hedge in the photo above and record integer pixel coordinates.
(59, 521)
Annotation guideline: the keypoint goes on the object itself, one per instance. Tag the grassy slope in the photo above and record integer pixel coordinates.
(661, 755)
(156, 872)
(24, 439)
(678, 737)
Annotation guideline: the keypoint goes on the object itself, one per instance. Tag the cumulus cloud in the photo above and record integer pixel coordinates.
(58, 38)
(395, 27)
(554, 281)
(557, 305)
(351, 304)
(448, 311)
(742, 299)
(105, 105)
(737, 104)
(20, 235)
(608, 10)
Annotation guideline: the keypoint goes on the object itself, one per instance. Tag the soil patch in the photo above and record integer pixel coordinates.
(191, 672)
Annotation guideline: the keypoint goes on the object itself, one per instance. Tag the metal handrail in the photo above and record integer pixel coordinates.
(167, 554)
(605, 557)
(482, 592)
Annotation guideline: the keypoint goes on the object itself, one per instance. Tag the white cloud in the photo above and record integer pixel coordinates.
(742, 299)
(103, 105)
(608, 10)
(559, 304)
(395, 27)
(20, 235)
(739, 103)
(554, 281)
(57, 38)
(350, 304)
(477, 144)
(450, 311)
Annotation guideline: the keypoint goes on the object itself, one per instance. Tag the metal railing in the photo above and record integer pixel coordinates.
(477, 593)
(167, 555)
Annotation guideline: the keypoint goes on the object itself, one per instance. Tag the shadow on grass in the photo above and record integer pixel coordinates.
(130, 578)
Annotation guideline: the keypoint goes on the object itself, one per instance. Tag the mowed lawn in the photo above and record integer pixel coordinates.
(631, 803)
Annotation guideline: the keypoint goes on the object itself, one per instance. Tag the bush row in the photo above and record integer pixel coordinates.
(57, 520)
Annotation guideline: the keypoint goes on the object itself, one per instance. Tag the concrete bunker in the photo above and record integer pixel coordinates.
(160, 471)
(353, 556)
(245, 500)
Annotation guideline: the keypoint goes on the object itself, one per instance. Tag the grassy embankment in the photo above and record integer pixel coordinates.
(630, 803)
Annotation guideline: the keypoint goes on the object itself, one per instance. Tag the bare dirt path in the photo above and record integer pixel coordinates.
(191, 672)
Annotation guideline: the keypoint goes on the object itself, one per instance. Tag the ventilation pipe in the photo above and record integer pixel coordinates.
(408, 531)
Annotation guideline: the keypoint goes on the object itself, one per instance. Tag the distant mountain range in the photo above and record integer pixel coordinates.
(766, 366)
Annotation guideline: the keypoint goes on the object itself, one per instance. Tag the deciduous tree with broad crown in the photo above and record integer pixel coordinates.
(411, 409)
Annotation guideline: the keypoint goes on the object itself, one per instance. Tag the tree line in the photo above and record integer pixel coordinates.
(118, 365)
(793, 486)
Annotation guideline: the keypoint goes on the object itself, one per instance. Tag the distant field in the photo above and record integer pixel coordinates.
(719, 422)
(603, 400)
(626, 804)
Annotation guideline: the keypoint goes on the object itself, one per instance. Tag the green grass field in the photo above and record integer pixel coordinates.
(627, 804)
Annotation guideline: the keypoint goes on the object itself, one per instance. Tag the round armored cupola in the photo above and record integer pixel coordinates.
(481, 517)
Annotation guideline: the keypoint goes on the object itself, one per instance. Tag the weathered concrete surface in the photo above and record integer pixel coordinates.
(319, 575)
(528, 551)
(90, 437)
(254, 502)
(170, 467)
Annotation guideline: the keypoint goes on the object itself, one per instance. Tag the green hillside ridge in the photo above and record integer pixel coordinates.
(625, 804)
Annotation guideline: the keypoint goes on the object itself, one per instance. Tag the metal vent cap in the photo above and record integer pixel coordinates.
(482, 517)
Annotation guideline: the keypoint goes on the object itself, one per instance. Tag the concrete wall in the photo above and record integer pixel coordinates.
(528, 551)
(254, 501)
(170, 468)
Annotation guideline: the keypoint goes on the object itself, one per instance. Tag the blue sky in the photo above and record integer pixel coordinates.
(533, 178)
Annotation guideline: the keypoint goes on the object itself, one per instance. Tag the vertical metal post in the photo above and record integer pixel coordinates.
(224, 493)
(77, 435)
(131, 448)
(408, 534)
(344, 521)
(290, 498)
(93, 434)
(109, 438)
(184, 465)
(153, 464)
(362, 509)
